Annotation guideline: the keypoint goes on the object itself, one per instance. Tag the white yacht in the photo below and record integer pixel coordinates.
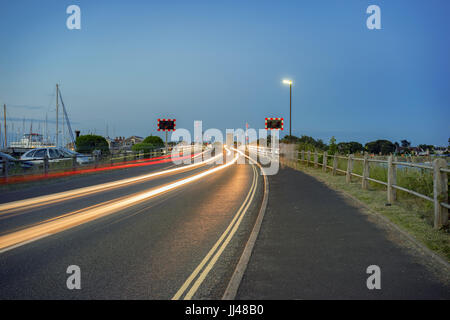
(30, 141)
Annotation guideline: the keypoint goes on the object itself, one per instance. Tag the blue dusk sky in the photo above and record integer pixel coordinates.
(223, 62)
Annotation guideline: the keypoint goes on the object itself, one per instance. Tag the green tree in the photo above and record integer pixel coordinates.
(154, 140)
(289, 139)
(321, 145)
(343, 147)
(405, 143)
(149, 144)
(332, 148)
(90, 142)
(312, 144)
(350, 147)
(307, 140)
(380, 146)
(356, 147)
(143, 147)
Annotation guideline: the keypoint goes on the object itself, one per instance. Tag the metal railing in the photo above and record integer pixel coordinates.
(439, 168)
(12, 168)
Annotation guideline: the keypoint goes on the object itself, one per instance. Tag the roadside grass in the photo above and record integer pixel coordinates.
(412, 214)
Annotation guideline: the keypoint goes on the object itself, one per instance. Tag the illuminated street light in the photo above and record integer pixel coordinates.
(289, 82)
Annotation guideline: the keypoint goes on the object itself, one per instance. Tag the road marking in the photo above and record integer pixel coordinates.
(233, 226)
(235, 281)
(84, 216)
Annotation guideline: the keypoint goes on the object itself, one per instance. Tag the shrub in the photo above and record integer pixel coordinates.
(156, 141)
(380, 146)
(88, 143)
(143, 147)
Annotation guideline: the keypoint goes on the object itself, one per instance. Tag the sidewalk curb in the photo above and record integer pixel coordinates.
(235, 281)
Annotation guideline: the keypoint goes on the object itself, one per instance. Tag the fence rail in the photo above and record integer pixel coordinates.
(439, 170)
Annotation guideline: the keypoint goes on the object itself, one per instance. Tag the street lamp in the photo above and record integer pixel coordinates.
(289, 82)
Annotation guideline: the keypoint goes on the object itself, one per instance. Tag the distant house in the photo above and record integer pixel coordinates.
(131, 141)
(442, 150)
(410, 150)
(115, 144)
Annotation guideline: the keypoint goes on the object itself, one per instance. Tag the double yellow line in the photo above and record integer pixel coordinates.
(205, 266)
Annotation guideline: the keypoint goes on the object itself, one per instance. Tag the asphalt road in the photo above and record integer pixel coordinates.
(144, 251)
(23, 218)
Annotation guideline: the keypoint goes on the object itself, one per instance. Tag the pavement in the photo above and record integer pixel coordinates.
(316, 244)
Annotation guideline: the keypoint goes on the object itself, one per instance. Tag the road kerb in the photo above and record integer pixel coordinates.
(235, 281)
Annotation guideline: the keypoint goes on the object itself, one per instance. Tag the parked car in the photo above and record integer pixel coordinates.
(37, 155)
(12, 162)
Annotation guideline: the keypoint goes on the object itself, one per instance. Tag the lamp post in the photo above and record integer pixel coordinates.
(289, 82)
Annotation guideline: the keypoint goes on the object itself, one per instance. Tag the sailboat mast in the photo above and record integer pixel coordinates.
(4, 120)
(57, 98)
(30, 141)
(46, 128)
(63, 133)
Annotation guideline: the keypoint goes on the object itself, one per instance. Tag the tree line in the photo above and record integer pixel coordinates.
(384, 147)
(89, 143)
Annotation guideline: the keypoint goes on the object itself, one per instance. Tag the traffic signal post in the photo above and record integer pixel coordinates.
(166, 125)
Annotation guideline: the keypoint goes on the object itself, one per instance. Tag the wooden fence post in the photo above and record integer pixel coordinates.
(303, 155)
(308, 158)
(392, 180)
(316, 157)
(440, 193)
(348, 177)
(335, 163)
(365, 182)
(325, 162)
